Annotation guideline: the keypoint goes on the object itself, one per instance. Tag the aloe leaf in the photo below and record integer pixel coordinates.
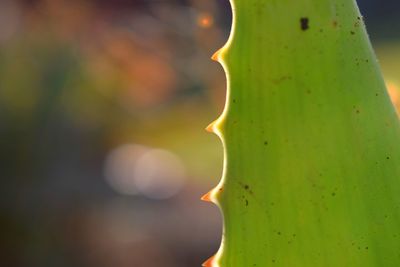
(312, 154)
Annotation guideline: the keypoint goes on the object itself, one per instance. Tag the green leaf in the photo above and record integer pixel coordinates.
(312, 153)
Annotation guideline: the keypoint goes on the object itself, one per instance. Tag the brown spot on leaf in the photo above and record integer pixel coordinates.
(304, 24)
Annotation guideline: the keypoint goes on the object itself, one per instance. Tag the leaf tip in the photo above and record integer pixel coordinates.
(207, 197)
(216, 55)
(210, 127)
(209, 262)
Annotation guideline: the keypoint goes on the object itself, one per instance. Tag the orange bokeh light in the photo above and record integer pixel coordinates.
(205, 20)
(394, 93)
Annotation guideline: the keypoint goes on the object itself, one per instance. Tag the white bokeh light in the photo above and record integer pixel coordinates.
(120, 168)
(159, 174)
(134, 169)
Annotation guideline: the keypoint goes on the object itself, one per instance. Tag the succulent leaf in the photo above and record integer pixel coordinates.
(312, 142)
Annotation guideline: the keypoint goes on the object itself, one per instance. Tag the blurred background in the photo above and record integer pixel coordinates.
(103, 156)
